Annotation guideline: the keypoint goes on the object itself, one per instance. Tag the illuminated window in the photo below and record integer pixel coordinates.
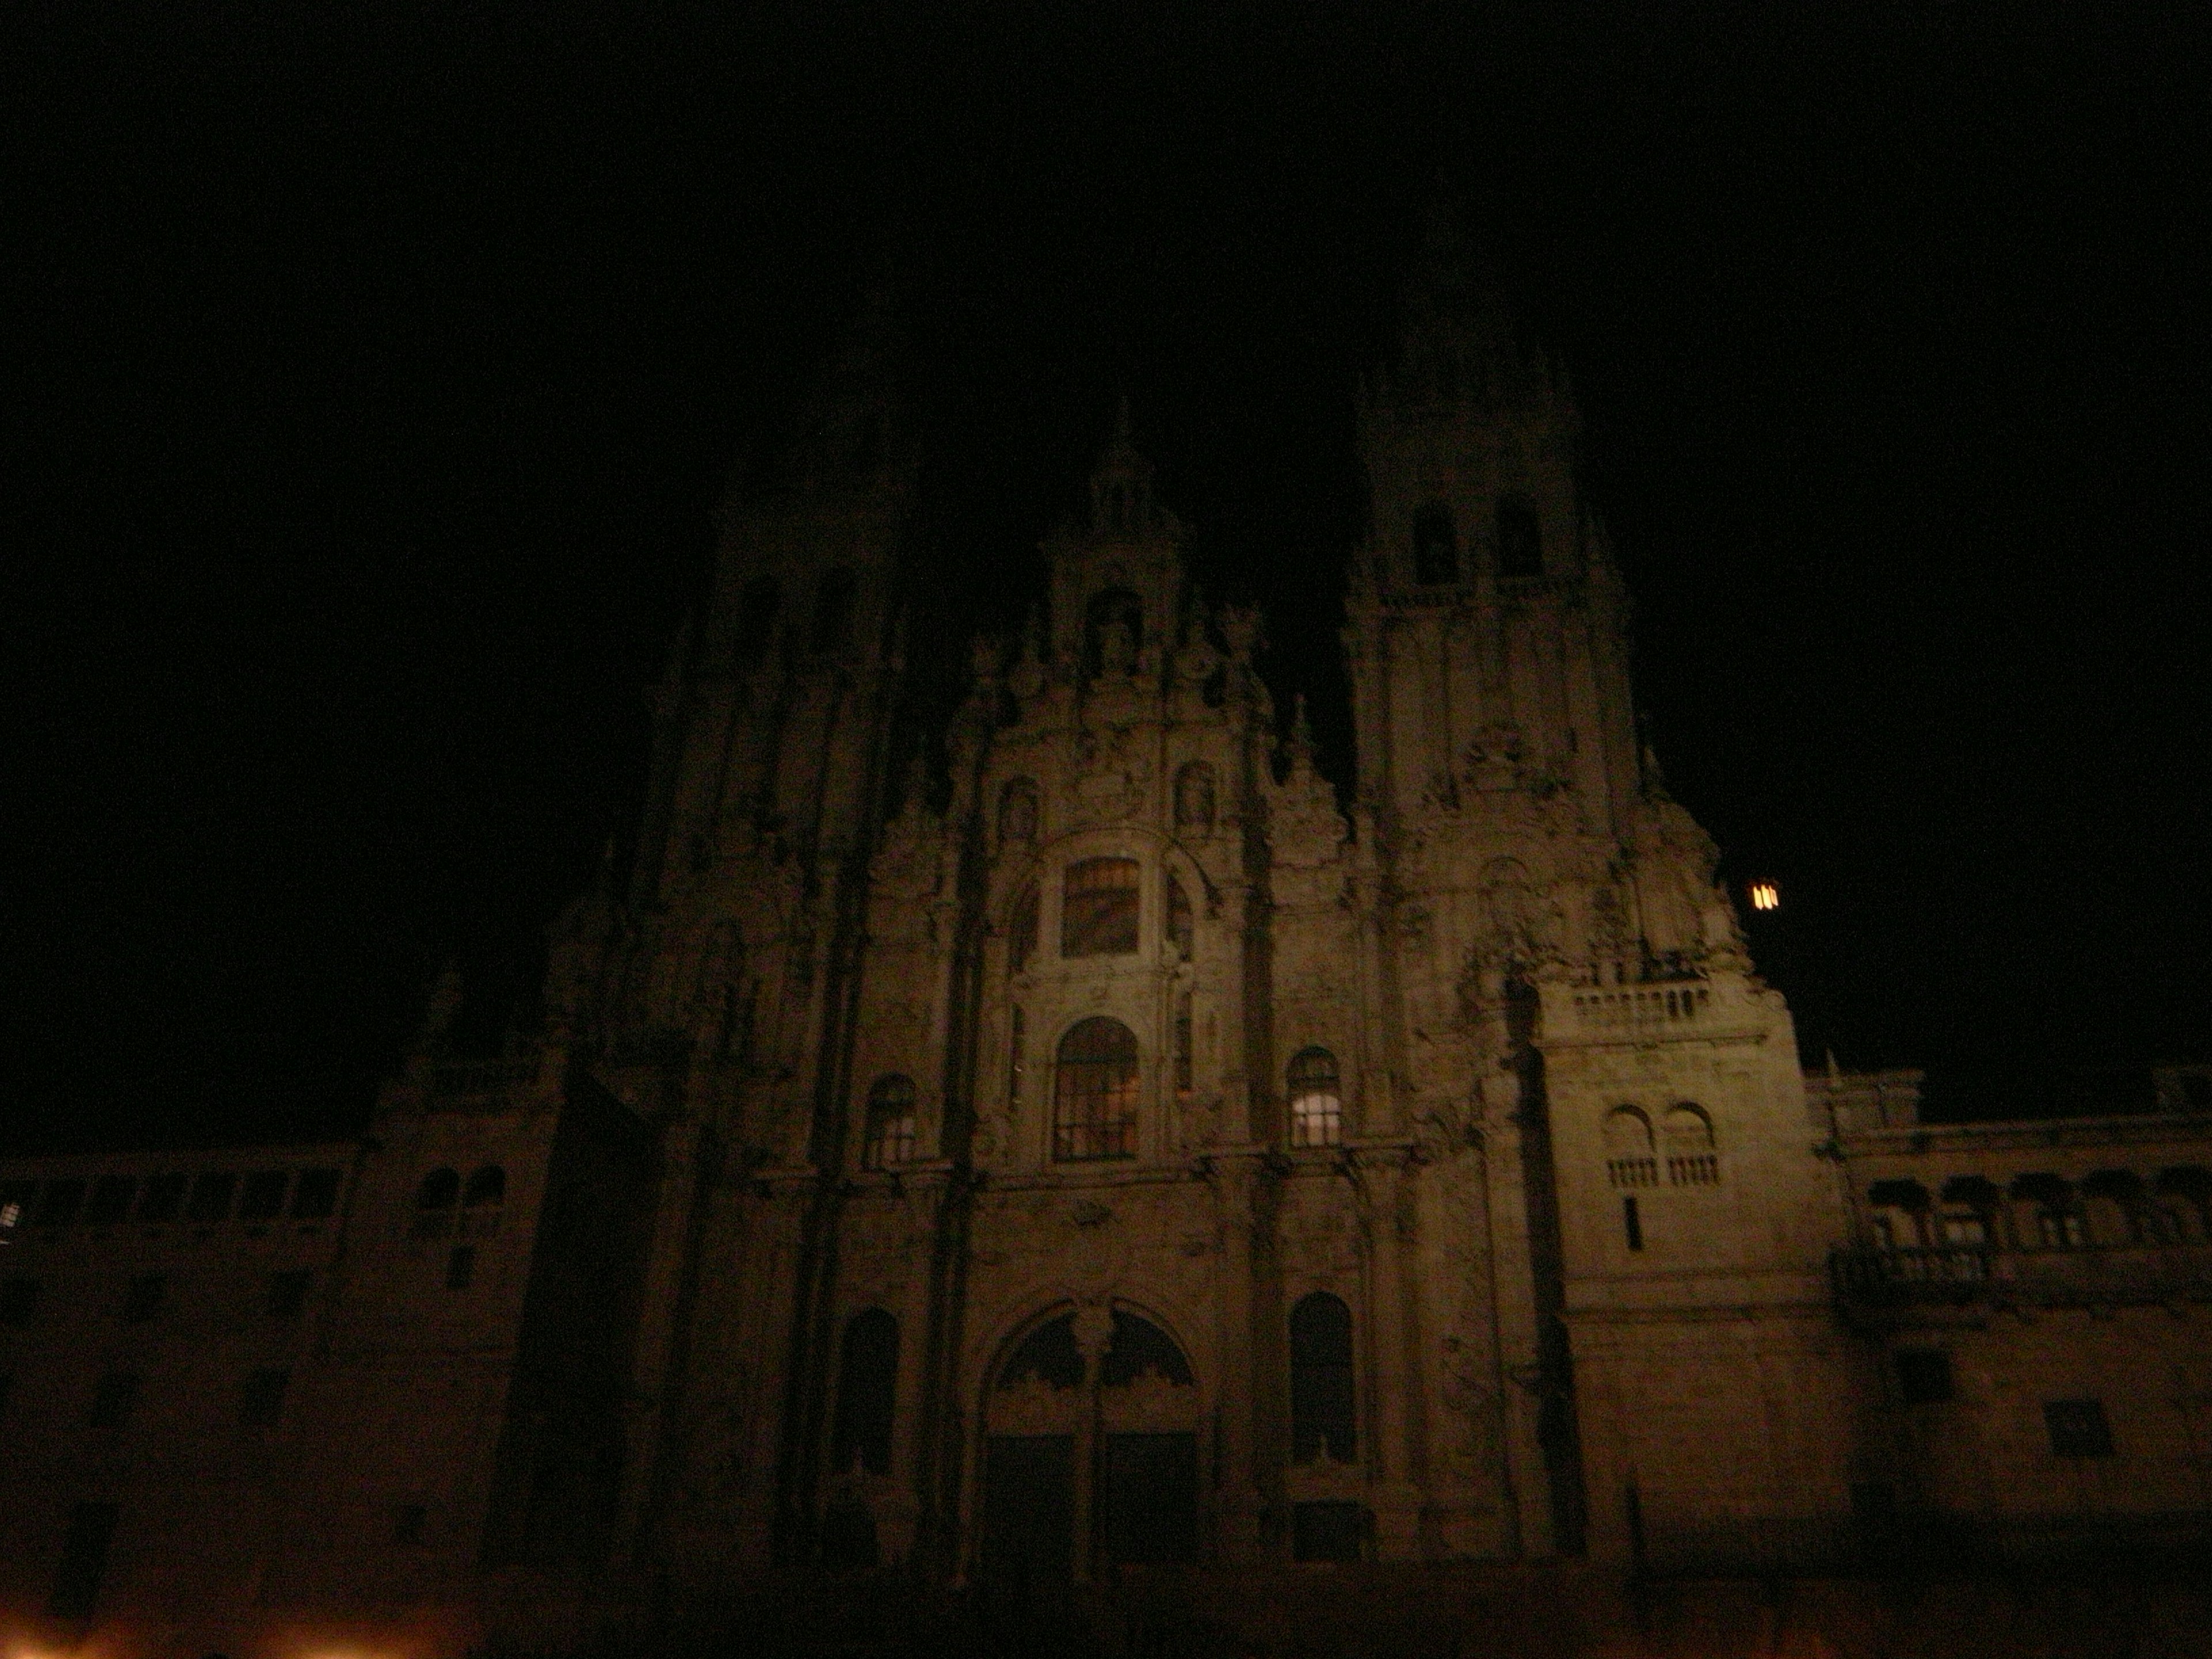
(435, 1201)
(1316, 1104)
(1766, 896)
(1519, 538)
(15, 1197)
(1022, 931)
(1194, 797)
(1098, 909)
(891, 1123)
(1323, 1415)
(480, 1204)
(1436, 547)
(1095, 1092)
(1182, 930)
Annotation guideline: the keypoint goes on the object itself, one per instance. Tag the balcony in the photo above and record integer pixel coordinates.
(1903, 1285)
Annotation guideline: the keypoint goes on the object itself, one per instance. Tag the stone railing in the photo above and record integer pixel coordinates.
(1958, 1275)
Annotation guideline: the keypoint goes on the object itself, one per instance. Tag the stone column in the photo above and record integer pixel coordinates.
(1396, 1499)
(1237, 1502)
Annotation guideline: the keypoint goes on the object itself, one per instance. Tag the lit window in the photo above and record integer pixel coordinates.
(1098, 909)
(16, 1198)
(1316, 1103)
(1095, 1092)
(1766, 896)
(891, 1124)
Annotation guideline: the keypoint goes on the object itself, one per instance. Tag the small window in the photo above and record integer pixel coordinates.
(1631, 1223)
(1022, 931)
(1316, 1102)
(19, 1301)
(1098, 910)
(288, 1293)
(891, 1134)
(211, 1196)
(480, 1204)
(84, 1561)
(868, 1391)
(2078, 1428)
(2057, 1229)
(1923, 1376)
(143, 1300)
(262, 1198)
(435, 1201)
(1018, 813)
(62, 1200)
(261, 1402)
(1194, 797)
(316, 1195)
(1183, 1067)
(461, 1267)
(1519, 538)
(111, 1202)
(833, 612)
(1322, 1418)
(114, 1400)
(1182, 930)
(410, 1523)
(1436, 547)
(1328, 1532)
(1095, 1092)
(164, 1197)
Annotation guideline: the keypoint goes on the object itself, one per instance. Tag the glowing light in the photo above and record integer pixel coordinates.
(1766, 896)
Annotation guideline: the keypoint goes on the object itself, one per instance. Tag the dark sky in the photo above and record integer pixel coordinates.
(377, 377)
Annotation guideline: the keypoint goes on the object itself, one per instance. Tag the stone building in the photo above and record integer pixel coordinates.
(1119, 1148)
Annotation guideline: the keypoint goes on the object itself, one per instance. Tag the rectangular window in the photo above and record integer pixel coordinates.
(1098, 909)
(211, 1196)
(2078, 1428)
(1632, 1219)
(261, 1402)
(164, 1197)
(19, 1301)
(1923, 1376)
(263, 1197)
(288, 1293)
(84, 1561)
(111, 1202)
(316, 1195)
(114, 1400)
(143, 1301)
(461, 1267)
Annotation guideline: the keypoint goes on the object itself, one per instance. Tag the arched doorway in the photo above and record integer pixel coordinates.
(1089, 1450)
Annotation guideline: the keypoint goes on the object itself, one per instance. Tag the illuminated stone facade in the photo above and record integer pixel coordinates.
(1112, 1145)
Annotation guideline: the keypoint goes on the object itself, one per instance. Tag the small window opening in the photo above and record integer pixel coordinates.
(1113, 633)
(1316, 1100)
(435, 1200)
(1632, 1221)
(1095, 1092)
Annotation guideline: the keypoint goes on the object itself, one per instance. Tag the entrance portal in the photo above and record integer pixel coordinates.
(1090, 1458)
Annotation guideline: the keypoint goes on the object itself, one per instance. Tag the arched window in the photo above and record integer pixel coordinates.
(1519, 538)
(1098, 909)
(1322, 1418)
(1899, 1210)
(1182, 930)
(1629, 1160)
(868, 1393)
(2185, 1194)
(1113, 632)
(1018, 813)
(1436, 546)
(1316, 1103)
(832, 611)
(756, 619)
(435, 1200)
(480, 1204)
(1966, 1225)
(1022, 931)
(1691, 1160)
(1194, 797)
(2059, 1222)
(1094, 1112)
(2119, 1208)
(891, 1123)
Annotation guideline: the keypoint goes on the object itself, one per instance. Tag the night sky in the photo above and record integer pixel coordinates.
(376, 379)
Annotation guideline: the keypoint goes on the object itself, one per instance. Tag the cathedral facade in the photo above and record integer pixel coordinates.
(1115, 1149)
